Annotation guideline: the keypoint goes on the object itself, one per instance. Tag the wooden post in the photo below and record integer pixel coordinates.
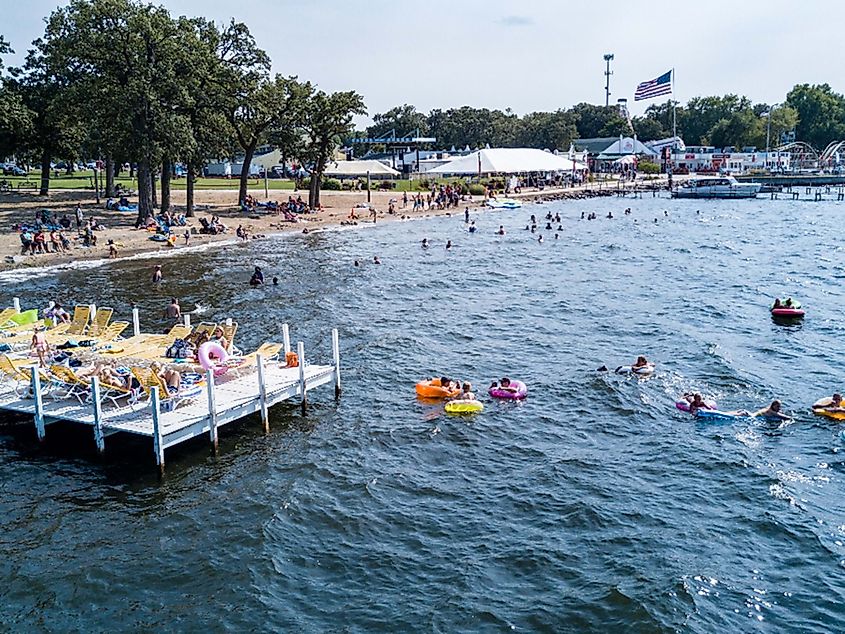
(158, 441)
(286, 337)
(39, 405)
(93, 313)
(136, 322)
(212, 410)
(99, 438)
(262, 393)
(186, 319)
(300, 352)
(16, 303)
(336, 355)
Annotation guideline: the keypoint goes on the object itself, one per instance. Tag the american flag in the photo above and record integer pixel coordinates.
(654, 88)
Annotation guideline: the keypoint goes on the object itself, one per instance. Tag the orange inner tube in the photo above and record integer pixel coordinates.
(432, 389)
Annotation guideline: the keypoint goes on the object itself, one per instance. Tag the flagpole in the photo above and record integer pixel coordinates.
(674, 108)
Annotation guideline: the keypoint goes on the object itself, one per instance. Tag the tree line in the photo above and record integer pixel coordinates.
(814, 112)
(126, 81)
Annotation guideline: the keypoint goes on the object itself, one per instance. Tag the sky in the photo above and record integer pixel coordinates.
(526, 55)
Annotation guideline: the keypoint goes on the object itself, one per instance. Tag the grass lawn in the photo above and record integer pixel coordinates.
(33, 181)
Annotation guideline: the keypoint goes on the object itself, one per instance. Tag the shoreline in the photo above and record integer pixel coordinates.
(135, 244)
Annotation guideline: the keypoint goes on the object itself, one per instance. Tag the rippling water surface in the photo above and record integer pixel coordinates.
(593, 506)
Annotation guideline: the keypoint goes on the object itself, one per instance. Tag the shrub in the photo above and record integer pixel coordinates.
(476, 189)
(332, 184)
(647, 167)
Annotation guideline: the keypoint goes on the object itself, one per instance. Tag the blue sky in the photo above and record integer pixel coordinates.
(525, 55)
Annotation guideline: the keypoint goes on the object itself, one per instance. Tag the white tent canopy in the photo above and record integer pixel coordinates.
(348, 169)
(508, 161)
(625, 146)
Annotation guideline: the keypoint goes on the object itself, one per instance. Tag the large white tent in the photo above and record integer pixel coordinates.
(508, 161)
(349, 169)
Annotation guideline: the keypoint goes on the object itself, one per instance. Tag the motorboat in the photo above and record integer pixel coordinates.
(716, 187)
(503, 203)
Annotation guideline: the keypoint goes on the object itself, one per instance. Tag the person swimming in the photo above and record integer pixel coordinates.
(257, 278)
(540, 239)
(501, 230)
(641, 362)
(834, 404)
(376, 260)
(425, 243)
(772, 411)
(548, 226)
(448, 245)
(472, 227)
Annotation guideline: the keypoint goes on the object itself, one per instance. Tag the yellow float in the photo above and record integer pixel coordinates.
(464, 407)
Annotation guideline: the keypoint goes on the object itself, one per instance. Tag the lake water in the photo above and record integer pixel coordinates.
(593, 506)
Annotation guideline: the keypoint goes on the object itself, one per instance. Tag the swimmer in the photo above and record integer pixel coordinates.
(501, 230)
(557, 236)
(832, 404)
(376, 260)
(157, 274)
(448, 245)
(506, 385)
(257, 278)
(472, 227)
(540, 239)
(466, 215)
(533, 228)
(772, 411)
(610, 214)
(466, 393)
(548, 226)
(582, 215)
(425, 243)
(665, 213)
(357, 263)
(275, 281)
(560, 227)
(695, 403)
(641, 362)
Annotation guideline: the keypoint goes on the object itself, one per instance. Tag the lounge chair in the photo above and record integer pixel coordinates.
(246, 363)
(229, 331)
(149, 379)
(75, 386)
(205, 327)
(18, 371)
(77, 326)
(100, 322)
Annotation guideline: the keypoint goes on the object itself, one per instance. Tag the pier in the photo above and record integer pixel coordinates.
(252, 388)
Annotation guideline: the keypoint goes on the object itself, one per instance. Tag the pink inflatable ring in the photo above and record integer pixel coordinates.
(211, 356)
(515, 391)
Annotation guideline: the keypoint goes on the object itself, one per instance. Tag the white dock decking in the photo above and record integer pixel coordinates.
(211, 405)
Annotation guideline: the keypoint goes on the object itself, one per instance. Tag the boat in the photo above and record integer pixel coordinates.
(503, 203)
(716, 187)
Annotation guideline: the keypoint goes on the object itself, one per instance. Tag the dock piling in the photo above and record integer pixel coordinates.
(262, 393)
(158, 440)
(212, 410)
(136, 322)
(186, 319)
(300, 352)
(99, 437)
(336, 357)
(16, 303)
(39, 404)
(286, 337)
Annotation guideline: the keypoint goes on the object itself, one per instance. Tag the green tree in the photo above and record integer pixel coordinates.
(547, 130)
(649, 129)
(599, 121)
(403, 120)
(261, 106)
(327, 122)
(821, 114)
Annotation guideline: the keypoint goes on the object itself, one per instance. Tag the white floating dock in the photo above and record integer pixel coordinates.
(204, 411)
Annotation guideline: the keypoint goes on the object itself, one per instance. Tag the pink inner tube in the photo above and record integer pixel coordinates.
(210, 354)
(787, 312)
(684, 405)
(519, 386)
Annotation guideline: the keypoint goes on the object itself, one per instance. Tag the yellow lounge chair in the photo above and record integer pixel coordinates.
(74, 386)
(245, 364)
(205, 327)
(100, 322)
(149, 379)
(18, 371)
(229, 331)
(81, 314)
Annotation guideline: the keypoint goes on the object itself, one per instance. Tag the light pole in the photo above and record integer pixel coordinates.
(608, 57)
(769, 132)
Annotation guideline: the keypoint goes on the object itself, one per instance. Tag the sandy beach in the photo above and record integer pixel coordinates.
(119, 226)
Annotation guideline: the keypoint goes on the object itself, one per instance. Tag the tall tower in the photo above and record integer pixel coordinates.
(608, 57)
